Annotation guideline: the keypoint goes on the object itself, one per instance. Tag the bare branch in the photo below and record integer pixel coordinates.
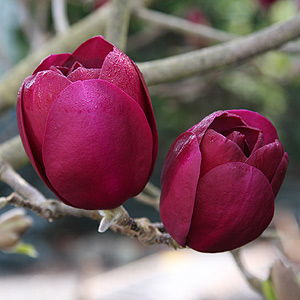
(66, 42)
(254, 282)
(220, 56)
(180, 25)
(50, 209)
(59, 15)
(12, 152)
(117, 24)
(18, 184)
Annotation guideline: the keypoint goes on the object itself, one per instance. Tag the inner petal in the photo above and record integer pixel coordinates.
(82, 73)
(216, 150)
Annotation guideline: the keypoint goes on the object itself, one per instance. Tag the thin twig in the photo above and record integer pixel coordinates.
(66, 42)
(28, 197)
(59, 15)
(13, 153)
(183, 26)
(253, 281)
(18, 184)
(117, 24)
(222, 55)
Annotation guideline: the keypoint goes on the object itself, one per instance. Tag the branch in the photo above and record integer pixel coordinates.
(117, 24)
(59, 15)
(253, 281)
(66, 42)
(183, 26)
(12, 152)
(220, 56)
(119, 220)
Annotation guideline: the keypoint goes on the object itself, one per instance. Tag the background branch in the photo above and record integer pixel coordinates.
(220, 56)
(118, 22)
(59, 15)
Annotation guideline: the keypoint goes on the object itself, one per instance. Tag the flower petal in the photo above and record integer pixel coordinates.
(97, 149)
(280, 174)
(52, 60)
(267, 158)
(82, 73)
(219, 121)
(38, 95)
(256, 120)
(217, 150)
(119, 69)
(91, 53)
(234, 205)
(179, 183)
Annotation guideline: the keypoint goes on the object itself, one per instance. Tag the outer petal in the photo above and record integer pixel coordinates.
(97, 149)
(280, 174)
(256, 120)
(120, 70)
(217, 150)
(37, 166)
(234, 205)
(150, 115)
(219, 121)
(52, 60)
(179, 182)
(38, 95)
(91, 53)
(267, 158)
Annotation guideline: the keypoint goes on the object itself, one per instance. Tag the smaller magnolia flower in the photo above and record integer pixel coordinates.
(220, 179)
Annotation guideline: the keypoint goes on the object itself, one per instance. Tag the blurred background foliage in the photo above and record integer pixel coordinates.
(269, 84)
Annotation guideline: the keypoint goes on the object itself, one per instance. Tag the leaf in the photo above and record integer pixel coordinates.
(26, 249)
(268, 290)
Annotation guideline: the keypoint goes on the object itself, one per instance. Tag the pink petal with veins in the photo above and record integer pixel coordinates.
(97, 149)
(179, 182)
(234, 205)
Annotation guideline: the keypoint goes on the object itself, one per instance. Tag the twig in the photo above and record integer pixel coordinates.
(28, 197)
(180, 25)
(117, 23)
(18, 184)
(13, 153)
(220, 56)
(253, 281)
(59, 15)
(66, 42)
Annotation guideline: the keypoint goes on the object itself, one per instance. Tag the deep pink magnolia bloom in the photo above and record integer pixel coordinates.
(87, 125)
(220, 179)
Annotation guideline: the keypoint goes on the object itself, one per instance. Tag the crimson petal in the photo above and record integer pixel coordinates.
(280, 174)
(39, 92)
(97, 148)
(216, 150)
(179, 183)
(91, 53)
(267, 158)
(52, 60)
(256, 120)
(234, 205)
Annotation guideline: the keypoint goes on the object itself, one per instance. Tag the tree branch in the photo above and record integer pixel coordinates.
(117, 23)
(220, 56)
(253, 281)
(12, 152)
(183, 26)
(59, 15)
(66, 42)
(28, 197)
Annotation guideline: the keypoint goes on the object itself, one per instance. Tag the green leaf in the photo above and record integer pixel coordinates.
(268, 290)
(26, 249)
